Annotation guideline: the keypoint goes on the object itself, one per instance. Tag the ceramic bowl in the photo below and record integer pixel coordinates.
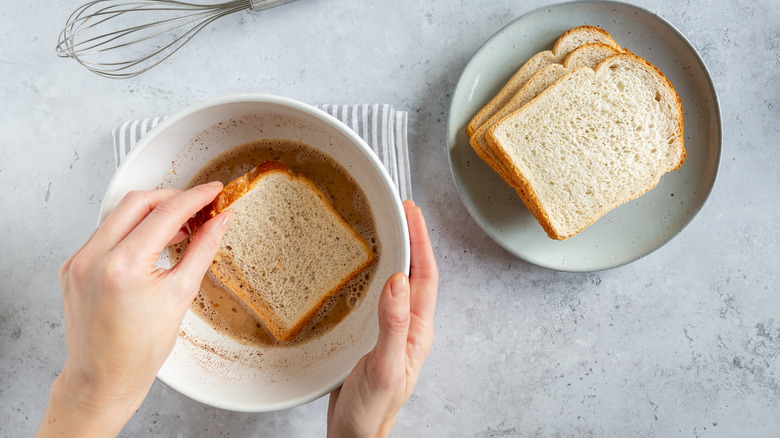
(215, 369)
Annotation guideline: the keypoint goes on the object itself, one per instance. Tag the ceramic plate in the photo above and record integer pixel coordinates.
(632, 230)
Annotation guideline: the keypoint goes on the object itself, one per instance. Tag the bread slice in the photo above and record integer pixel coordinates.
(564, 45)
(587, 55)
(592, 141)
(287, 249)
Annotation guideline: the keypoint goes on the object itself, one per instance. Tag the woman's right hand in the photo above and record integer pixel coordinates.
(367, 404)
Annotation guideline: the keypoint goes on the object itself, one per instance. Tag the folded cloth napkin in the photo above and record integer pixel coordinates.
(380, 125)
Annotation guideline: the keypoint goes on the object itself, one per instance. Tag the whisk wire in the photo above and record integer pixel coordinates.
(113, 36)
(112, 11)
(179, 42)
(82, 40)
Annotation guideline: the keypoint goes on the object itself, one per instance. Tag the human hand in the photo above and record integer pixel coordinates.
(367, 404)
(121, 315)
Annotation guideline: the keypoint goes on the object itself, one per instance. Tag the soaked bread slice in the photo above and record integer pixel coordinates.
(564, 45)
(593, 140)
(287, 249)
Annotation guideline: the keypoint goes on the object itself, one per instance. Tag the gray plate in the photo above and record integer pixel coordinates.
(632, 230)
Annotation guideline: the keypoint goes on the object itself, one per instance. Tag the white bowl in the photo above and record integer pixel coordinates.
(215, 369)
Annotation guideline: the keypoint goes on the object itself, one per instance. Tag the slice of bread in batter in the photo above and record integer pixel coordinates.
(287, 249)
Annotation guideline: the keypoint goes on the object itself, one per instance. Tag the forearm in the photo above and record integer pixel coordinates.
(69, 414)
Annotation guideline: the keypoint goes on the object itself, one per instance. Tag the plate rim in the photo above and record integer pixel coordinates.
(715, 147)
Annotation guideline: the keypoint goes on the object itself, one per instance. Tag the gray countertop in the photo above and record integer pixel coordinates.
(683, 342)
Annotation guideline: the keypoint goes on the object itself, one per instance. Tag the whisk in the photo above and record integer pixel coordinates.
(122, 39)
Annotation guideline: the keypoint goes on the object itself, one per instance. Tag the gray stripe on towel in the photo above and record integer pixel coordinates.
(382, 127)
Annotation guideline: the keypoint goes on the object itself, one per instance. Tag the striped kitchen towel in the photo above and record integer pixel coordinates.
(380, 125)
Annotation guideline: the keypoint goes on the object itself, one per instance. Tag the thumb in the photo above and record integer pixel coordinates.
(201, 250)
(389, 356)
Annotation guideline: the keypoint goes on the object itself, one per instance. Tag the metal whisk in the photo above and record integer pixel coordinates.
(122, 39)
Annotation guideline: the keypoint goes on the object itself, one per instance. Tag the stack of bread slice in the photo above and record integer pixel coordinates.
(580, 130)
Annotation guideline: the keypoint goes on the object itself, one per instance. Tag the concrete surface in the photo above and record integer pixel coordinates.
(684, 342)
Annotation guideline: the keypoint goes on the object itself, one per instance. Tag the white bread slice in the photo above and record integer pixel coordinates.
(287, 249)
(564, 45)
(592, 141)
(587, 55)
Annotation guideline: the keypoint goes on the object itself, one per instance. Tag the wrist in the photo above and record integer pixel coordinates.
(362, 431)
(77, 409)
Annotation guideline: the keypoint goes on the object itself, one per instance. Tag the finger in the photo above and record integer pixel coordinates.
(179, 237)
(65, 267)
(200, 252)
(424, 282)
(424, 275)
(132, 209)
(389, 357)
(162, 224)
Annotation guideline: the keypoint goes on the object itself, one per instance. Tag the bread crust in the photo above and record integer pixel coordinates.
(478, 141)
(231, 277)
(531, 199)
(233, 191)
(516, 81)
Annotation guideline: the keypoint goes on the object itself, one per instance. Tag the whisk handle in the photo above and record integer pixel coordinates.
(259, 5)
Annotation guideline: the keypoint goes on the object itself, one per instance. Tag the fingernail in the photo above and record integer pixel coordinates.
(215, 184)
(227, 219)
(399, 286)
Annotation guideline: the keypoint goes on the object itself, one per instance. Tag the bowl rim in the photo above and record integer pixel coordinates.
(109, 204)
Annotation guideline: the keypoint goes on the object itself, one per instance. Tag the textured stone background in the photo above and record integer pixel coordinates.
(684, 342)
